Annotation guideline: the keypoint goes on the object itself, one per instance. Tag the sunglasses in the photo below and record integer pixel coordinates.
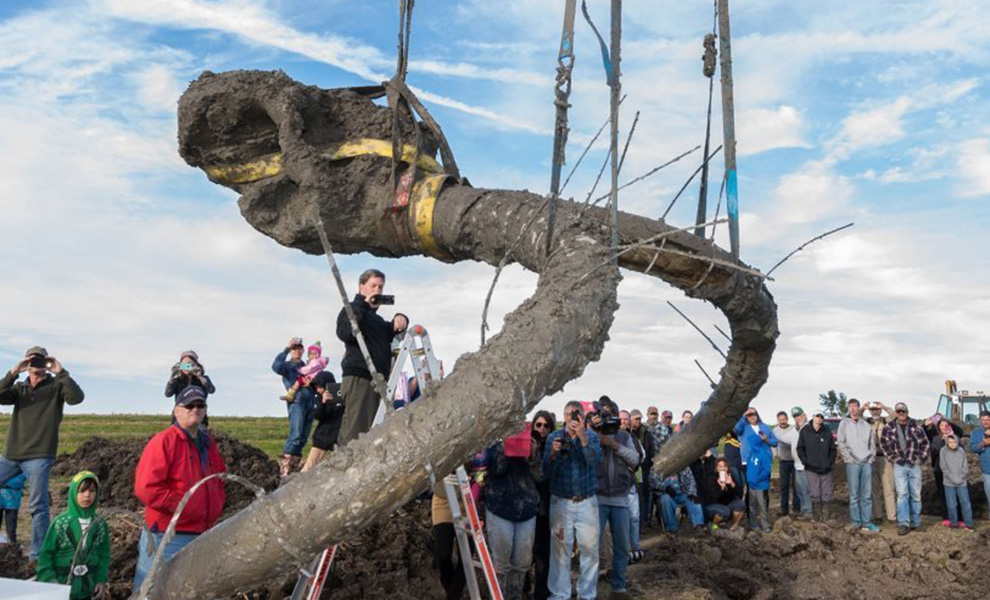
(195, 405)
(901, 412)
(651, 414)
(541, 425)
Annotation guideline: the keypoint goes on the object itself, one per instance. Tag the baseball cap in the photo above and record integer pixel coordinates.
(191, 354)
(666, 414)
(797, 411)
(900, 406)
(189, 395)
(36, 350)
(296, 343)
(819, 414)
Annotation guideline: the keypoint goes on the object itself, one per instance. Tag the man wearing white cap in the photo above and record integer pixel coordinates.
(32, 439)
(906, 446)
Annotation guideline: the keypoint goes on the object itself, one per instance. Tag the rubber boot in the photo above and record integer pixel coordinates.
(290, 394)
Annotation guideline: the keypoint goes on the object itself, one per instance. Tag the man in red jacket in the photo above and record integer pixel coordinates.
(172, 462)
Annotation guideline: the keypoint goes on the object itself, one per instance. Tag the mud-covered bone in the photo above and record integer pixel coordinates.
(241, 118)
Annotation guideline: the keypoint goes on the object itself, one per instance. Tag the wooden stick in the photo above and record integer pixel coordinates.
(698, 329)
(729, 126)
(710, 380)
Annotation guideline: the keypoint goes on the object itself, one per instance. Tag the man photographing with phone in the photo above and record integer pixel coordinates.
(32, 439)
(360, 397)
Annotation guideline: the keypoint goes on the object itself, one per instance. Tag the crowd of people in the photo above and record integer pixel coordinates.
(556, 487)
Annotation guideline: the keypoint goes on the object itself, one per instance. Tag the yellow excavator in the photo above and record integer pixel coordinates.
(962, 407)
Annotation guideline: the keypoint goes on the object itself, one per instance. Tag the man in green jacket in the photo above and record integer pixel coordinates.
(76, 551)
(32, 439)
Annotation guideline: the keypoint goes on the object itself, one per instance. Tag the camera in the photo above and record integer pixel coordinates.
(185, 366)
(565, 444)
(607, 424)
(40, 362)
(383, 300)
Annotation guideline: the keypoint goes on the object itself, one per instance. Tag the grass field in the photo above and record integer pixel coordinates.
(267, 433)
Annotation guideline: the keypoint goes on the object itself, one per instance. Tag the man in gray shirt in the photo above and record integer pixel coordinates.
(786, 453)
(857, 445)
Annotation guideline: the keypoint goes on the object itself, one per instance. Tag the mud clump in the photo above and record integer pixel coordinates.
(13, 562)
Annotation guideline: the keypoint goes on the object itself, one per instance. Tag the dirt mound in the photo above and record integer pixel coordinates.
(812, 561)
(13, 562)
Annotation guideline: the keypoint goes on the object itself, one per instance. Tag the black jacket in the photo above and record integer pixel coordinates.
(328, 418)
(816, 449)
(712, 493)
(378, 334)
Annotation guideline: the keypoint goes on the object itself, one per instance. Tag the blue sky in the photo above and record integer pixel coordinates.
(116, 256)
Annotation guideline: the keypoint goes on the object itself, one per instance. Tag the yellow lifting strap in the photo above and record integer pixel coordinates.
(424, 196)
(271, 164)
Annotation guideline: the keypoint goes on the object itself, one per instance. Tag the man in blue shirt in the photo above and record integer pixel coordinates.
(571, 461)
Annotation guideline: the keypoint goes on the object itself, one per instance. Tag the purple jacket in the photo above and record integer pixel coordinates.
(916, 451)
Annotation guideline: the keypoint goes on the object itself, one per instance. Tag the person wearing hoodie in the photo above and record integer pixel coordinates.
(858, 447)
(936, 432)
(616, 476)
(756, 441)
(816, 449)
(905, 444)
(11, 497)
(512, 501)
(76, 550)
(979, 444)
(955, 471)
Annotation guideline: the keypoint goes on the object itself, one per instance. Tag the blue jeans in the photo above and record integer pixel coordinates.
(633, 520)
(37, 471)
(986, 490)
(617, 518)
(301, 414)
(180, 541)
(907, 481)
(859, 477)
(801, 477)
(960, 493)
(511, 545)
(570, 521)
(669, 504)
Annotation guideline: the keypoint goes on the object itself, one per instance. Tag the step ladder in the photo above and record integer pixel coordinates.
(468, 523)
(414, 345)
(311, 582)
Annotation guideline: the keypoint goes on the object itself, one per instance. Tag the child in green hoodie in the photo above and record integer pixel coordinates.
(76, 550)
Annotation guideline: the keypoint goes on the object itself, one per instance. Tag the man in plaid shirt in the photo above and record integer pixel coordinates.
(571, 463)
(905, 444)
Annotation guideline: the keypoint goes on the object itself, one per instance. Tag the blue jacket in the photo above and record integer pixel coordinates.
(976, 447)
(287, 369)
(573, 473)
(12, 492)
(750, 441)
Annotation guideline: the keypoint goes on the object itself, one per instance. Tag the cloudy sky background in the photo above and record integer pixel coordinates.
(117, 256)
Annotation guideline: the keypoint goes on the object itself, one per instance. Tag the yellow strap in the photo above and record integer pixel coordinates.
(271, 165)
(424, 201)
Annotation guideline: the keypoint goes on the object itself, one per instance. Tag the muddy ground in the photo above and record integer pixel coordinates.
(392, 560)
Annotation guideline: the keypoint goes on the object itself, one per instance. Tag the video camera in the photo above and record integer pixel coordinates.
(607, 424)
(383, 300)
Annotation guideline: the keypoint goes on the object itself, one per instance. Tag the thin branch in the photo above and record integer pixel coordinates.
(586, 149)
(724, 334)
(718, 205)
(723, 263)
(647, 174)
(698, 329)
(622, 159)
(710, 380)
(801, 247)
(688, 182)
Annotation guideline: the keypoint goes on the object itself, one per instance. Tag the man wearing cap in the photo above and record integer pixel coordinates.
(800, 475)
(816, 449)
(173, 462)
(32, 438)
(979, 444)
(660, 432)
(301, 409)
(884, 498)
(906, 446)
(641, 433)
(786, 450)
(361, 401)
(857, 446)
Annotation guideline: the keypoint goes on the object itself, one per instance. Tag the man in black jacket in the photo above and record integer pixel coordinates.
(360, 398)
(816, 449)
(329, 414)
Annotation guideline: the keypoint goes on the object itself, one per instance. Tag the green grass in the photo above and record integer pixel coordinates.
(267, 433)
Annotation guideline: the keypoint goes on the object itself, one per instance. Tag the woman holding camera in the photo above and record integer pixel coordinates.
(188, 371)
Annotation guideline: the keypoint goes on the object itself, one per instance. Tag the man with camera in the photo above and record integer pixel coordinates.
(616, 477)
(570, 462)
(32, 439)
(360, 398)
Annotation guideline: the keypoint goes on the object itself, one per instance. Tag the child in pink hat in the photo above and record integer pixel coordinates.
(316, 363)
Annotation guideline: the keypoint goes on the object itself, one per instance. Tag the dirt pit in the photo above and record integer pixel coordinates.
(392, 560)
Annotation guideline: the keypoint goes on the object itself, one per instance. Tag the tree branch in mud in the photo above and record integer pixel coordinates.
(279, 144)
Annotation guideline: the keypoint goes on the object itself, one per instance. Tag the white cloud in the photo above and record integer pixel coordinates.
(973, 167)
(762, 129)
(810, 194)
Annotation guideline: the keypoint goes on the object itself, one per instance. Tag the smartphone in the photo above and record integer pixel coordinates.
(722, 476)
